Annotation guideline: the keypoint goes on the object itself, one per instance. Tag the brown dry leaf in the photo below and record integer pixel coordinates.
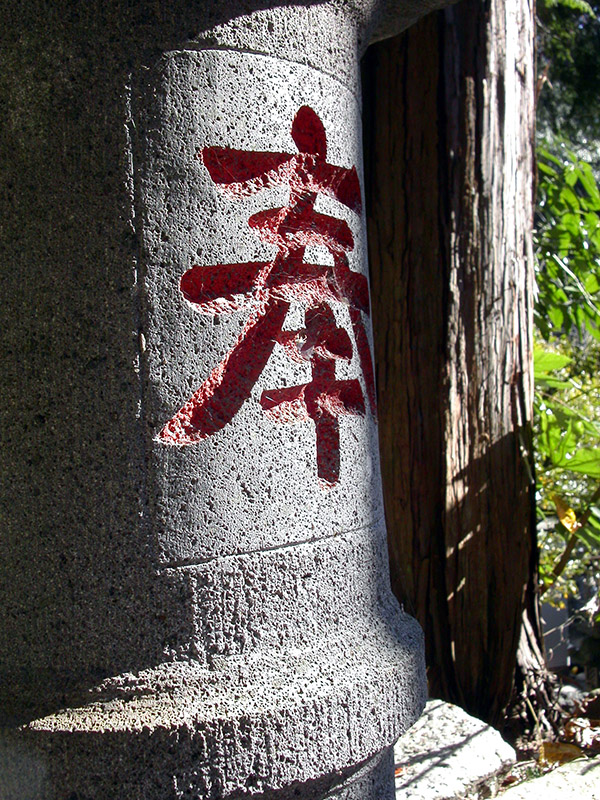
(398, 771)
(566, 514)
(558, 753)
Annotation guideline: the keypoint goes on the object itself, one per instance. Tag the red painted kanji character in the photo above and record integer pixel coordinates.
(269, 287)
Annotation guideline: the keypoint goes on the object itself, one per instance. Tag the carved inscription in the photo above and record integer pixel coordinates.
(267, 289)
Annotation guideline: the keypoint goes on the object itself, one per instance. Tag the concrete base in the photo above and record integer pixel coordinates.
(371, 780)
(254, 727)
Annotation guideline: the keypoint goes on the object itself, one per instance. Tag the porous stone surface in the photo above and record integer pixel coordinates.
(275, 29)
(244, 726)
(579, 780)
(207, 619)
(447, 755)
(254, 484)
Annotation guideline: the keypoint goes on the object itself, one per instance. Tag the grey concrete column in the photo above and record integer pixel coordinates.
(194, 596)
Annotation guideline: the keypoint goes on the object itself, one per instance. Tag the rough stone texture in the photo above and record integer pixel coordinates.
(271, 29)
(203, 621)
(237, 729)
(579, 780)
(187, 103)
(447, 754)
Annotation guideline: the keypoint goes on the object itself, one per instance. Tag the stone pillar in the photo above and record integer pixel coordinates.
(194, 596)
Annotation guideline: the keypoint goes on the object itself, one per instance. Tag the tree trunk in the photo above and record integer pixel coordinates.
(449, 113)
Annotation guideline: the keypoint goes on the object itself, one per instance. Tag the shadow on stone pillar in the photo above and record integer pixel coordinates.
(195, 596)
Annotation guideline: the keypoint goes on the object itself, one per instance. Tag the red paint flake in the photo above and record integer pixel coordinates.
(268, 289)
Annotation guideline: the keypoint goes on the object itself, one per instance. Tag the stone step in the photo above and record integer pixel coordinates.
(578, 780)
(448, 755)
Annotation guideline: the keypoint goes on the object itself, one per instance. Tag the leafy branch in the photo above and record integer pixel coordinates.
(566, 364)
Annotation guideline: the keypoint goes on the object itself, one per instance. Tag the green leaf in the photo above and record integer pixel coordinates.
(545, 361)
(572, 222)
(547, 381)
(594, 520)
(592, 283)
(588, 181)
(568, 196)
(547, 170)
(585, 461)
(594, 331)
(549, 156)
(557, 317)
(589, 537)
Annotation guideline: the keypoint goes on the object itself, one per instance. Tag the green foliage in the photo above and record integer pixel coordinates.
(567, 244)
(567, 435)
(567, 367)
(567, 422)
(568, 45)
(574, 5)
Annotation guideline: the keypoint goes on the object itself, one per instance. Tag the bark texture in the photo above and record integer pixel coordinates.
(449, 112)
